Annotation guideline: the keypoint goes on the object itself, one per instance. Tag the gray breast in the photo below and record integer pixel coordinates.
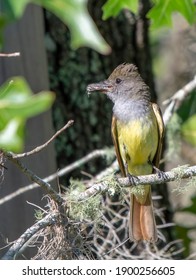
(126, 111)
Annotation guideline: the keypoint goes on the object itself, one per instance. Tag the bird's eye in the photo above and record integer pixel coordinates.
(118, 80)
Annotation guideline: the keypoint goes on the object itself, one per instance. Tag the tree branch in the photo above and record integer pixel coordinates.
(37, 181)
(10, 54)
(34, 178)
(176, 100)
(182, 172)
(39, 148)
(28, 234)
(61, 172)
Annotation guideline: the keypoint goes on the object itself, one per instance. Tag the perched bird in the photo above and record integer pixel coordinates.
(137, 132)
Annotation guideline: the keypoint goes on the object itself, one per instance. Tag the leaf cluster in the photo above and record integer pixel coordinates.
(160, 14)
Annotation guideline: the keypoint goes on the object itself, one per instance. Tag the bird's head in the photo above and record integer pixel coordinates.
(124, 83)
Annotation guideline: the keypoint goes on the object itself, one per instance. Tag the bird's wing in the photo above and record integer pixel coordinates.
(116, 145)
(161, 129)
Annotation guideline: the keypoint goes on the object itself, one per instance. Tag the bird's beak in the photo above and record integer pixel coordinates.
(104, 87)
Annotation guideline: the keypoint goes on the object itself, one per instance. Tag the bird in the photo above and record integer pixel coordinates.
(137, 130)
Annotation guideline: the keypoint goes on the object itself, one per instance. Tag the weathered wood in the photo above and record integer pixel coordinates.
(27, 37)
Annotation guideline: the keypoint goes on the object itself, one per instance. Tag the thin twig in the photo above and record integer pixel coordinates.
(176, 100)
(34, 178)
(37, 181)
(61, 172)
(19, 192)
(41, 147)
(9, 54)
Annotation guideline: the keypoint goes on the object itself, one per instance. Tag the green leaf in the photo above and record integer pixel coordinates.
(11, 137)
(17, 99)
(189, 130)
(113, 7)
(187, 9)
(161, 13)
(17, 103)
(73, 13)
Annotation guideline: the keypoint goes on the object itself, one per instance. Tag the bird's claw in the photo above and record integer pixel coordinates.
(160, 173)
(132, 179)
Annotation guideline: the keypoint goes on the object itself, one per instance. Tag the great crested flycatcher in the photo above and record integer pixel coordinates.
(137, 131)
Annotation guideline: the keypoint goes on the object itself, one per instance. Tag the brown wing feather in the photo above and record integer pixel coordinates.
(161, 129)
(116, 145)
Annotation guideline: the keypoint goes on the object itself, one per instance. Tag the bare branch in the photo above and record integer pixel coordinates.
(176, 100)
(28, 234)
(109, 170)
(19, 192)
(37, 181)
(34, 178)
(39, 148)
(10, 54)
(61, 172)
(78, 163)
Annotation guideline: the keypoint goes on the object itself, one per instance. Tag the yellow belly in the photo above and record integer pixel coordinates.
(138, 141)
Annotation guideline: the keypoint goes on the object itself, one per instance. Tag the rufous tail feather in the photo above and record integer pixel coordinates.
(142, 221)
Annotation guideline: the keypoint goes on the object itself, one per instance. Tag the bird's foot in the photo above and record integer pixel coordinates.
(160, 173)
(132, 179)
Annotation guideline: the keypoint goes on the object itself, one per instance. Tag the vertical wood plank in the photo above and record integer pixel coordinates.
(27, 37)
